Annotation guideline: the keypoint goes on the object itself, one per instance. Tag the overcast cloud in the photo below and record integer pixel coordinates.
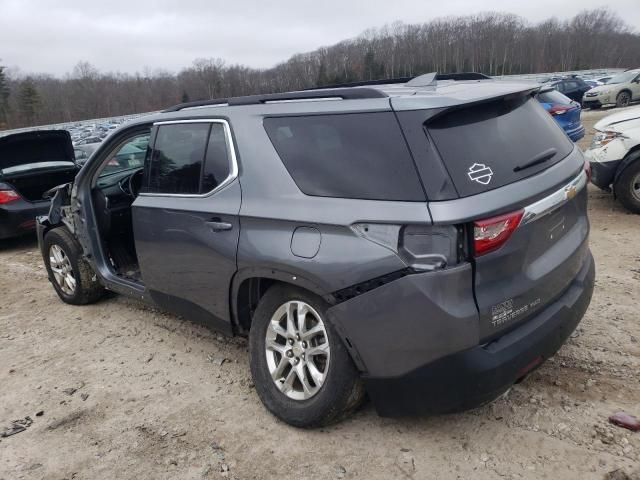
(131, 35)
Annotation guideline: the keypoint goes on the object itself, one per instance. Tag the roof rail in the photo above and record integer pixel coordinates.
(196, 103)
(342, 93)
(389, 81)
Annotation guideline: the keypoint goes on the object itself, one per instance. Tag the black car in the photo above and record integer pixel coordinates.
(572, 87)
(30, 164)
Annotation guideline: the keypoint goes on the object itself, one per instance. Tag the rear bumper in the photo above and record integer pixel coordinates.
(477, 375)
(18, 217)
(576, 133)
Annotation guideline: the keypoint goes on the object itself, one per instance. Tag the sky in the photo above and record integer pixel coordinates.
(45, 36)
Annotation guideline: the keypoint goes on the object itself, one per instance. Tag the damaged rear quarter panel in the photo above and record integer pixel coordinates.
(411, 321)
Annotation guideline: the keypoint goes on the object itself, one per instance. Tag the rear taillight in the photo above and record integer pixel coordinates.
(423, 247)
(7, 196)
(491, 233)
(587, 169)
(559, 109)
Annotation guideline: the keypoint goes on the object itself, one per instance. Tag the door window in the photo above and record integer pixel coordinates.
(189, 158)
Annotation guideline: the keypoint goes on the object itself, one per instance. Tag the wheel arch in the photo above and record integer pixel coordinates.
(632, 156)
(625, 89)
(250, 284)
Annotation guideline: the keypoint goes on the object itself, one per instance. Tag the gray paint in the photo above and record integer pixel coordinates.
(411, 322)
(305, 242)
(278, 232)
(180, 255)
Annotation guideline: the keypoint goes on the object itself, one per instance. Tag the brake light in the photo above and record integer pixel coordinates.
(7, 196)
(491, 233)
(587, 169)
(559, 110)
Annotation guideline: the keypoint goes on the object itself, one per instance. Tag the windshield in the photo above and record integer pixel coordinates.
(622, 78)
(130, 155)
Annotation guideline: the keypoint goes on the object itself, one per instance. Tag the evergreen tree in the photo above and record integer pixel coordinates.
(28, 101)
(185, 97)
(4, 97)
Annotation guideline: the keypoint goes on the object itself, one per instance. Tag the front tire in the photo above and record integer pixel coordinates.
(72, 277)
(302, 372)
(627, 186)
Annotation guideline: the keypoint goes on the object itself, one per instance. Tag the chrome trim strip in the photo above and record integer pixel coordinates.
(555, 200)
(233, 168)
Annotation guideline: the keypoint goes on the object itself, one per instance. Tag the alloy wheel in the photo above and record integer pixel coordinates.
(297, 350)
(635, 187)
(62, 270)
(624, 99)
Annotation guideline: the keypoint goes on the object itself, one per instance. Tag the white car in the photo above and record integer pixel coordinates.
(614, 155)
(620, 91)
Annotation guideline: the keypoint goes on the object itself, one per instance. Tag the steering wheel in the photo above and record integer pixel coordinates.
(131, 185)
(135, 182)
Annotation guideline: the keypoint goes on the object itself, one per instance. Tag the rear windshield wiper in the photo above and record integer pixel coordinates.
(537, 160)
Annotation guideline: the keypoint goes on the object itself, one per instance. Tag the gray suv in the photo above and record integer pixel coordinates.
(424, 242)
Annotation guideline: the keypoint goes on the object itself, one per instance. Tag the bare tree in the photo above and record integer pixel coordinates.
(492, 43)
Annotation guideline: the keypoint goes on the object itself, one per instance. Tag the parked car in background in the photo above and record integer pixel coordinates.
(615, 156)
(408, 240)
(83, 152)
(604, 80)
(30, 164)
(88, 140)
(620, 90)
(592, 83)
(572, 87)
(564, 111)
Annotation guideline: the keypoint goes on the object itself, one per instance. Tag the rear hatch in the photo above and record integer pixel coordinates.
(34, 162)
(518, 188)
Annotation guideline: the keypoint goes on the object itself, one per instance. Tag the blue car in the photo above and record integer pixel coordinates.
(564, 110)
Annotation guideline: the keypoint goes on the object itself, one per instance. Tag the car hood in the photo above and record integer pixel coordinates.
(629, 113)
(604, 88)
(35, 147)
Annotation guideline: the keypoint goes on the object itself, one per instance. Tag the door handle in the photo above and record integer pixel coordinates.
(218, 226)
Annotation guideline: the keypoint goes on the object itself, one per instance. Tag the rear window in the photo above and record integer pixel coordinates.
(361, 156)
(493, 144)
(554, 97)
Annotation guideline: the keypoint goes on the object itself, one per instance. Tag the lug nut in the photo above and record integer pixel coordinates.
(289, 353)
(297, 337)
(291, 341)
(296, 361)
(304, 344)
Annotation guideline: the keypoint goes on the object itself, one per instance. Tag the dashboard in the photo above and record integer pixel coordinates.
(113, 195)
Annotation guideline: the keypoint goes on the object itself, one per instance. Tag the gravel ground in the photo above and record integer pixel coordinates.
(121, 390)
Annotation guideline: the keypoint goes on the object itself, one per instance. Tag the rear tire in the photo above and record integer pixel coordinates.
(72, 277)
(627, 186)
(623, 99)
(305, 404)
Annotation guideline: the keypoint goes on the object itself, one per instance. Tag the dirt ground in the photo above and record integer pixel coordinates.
(120, 390)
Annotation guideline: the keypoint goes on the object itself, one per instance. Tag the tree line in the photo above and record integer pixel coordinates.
(491, 43)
